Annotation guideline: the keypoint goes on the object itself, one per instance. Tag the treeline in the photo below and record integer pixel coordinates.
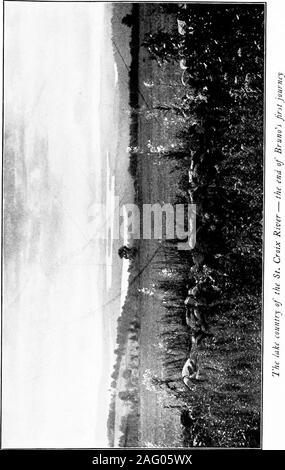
(128, 329)
(128, 412)
(133, 21)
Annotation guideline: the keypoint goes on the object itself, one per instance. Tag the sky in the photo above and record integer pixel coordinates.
(60, 79)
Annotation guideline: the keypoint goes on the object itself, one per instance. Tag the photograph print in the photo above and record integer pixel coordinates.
(133, 168)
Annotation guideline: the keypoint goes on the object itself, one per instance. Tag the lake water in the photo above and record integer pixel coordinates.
(66, 138)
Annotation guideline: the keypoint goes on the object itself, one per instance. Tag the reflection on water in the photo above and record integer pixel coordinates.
(109, 221)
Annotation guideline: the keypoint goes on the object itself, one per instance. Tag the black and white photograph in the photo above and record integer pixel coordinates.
(133, 225)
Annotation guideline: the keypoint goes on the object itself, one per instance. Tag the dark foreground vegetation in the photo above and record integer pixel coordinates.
(213, 294)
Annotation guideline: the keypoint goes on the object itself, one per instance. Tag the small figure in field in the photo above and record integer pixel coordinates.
(190, 370)
(127, 253)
